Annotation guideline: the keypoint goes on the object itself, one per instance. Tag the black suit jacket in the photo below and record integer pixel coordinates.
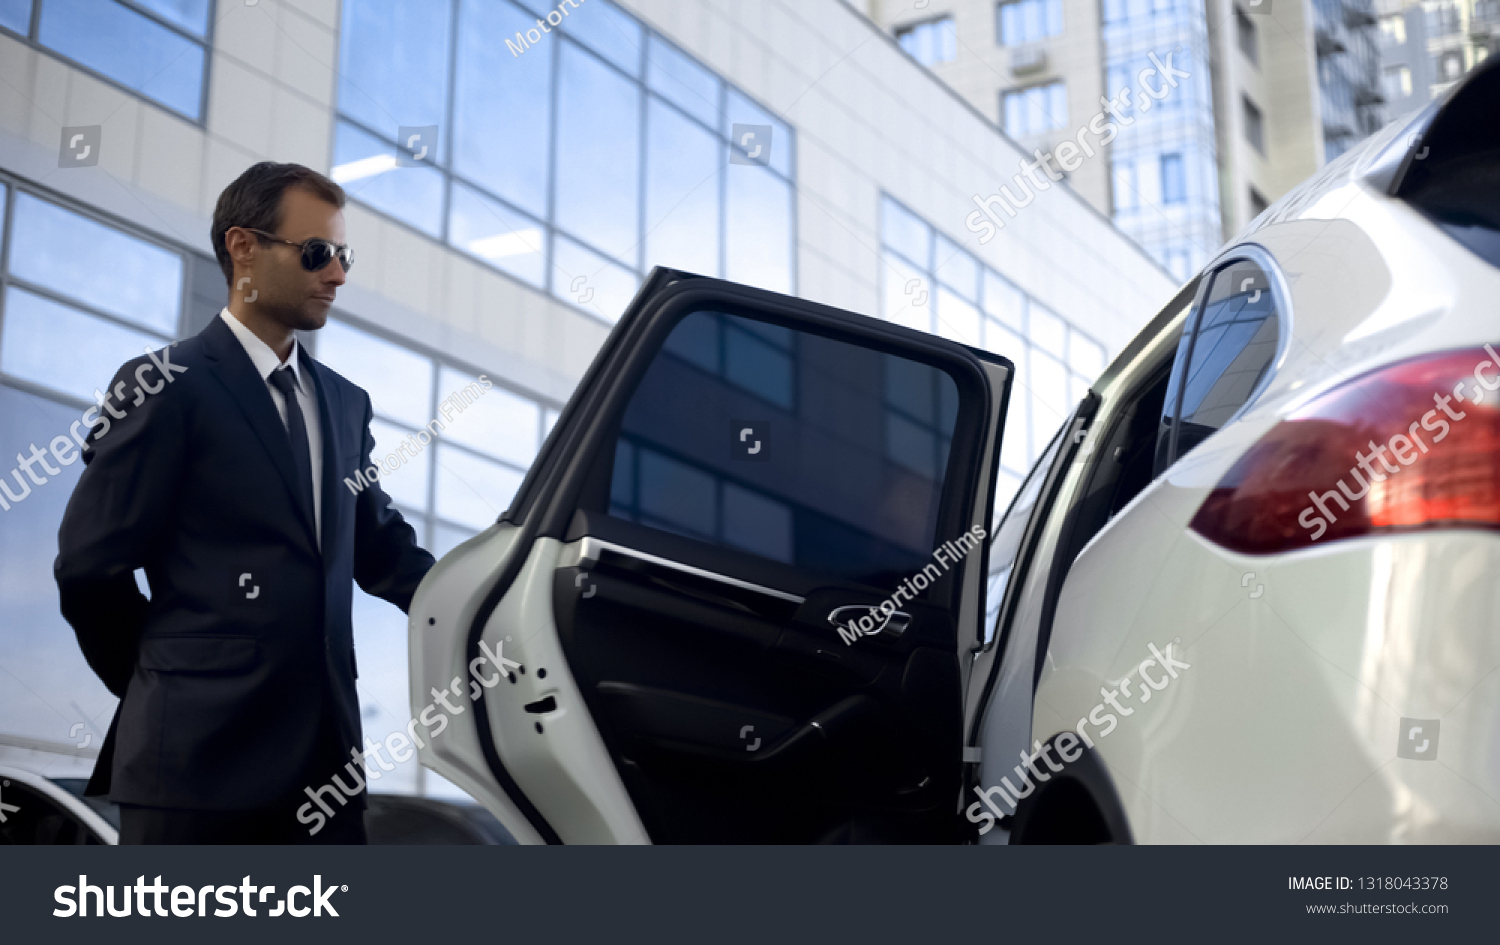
(223, 676)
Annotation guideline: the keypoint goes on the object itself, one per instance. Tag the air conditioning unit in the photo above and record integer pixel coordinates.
(1027, 59)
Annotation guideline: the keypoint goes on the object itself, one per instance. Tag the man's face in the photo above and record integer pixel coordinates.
(288, 293)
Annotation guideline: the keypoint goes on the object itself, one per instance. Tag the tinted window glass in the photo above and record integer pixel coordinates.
(788, 445)
(1233, 347)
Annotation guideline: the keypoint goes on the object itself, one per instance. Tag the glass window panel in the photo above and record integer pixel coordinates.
(1004, 301)
(1086, 355)
(677, 495)
(1050, 398)
(498, 422)
(683, 81)
(683, 163)
(906, 297)
(757, 524)
(507, 157)
(911, 445)
(398, 380)
(696, 341)
(95, 348)
(1173, 183)
(598, 155)
(758, 223)
(605, 288)
(741, 110)
(549, 419)
(128, 48)
(472, 491)
(96, 264)
(393, 63)
(1235, 347)
(191, 15)
(1047, 330)
(751, 363)
(506, 239)
(622, 482)
(40, 647)
(16, 15)
(908, 388)
(407, 484)
(956, 268)
(860, 476)
(366, 168)
(607, 30)
(905, 232)
(956, 318)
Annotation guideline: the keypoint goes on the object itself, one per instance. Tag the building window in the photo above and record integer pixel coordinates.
(469, 440)
(1244, 29)
(1035, 110)
(1027, 21)
(931, 42)
(1258, 203)
(1173, 180)
(1127, 191)
(614, 155)
(155, 48)
(1450, 65)
(1394, 28)
(1255, 127)
(1396, 82)
(931, 284)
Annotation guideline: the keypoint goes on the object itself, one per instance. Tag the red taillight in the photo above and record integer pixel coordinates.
(1325, 472)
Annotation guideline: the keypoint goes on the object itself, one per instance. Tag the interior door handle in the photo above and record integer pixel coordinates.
(891, 627)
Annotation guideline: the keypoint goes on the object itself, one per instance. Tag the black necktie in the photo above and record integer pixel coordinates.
(296, 429)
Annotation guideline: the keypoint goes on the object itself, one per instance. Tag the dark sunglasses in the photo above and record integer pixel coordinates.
(316, 252)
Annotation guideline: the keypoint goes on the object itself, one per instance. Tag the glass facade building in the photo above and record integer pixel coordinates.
(932, 284)
(1163, 163)
(602, 153)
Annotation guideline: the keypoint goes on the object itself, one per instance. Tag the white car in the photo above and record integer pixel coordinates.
(741, 595)
(35, 810)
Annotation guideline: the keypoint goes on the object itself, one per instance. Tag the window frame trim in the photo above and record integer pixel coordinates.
(32, 39)
(1209, 275)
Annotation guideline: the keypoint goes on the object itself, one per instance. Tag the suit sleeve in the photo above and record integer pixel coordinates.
(388, 562)
(114, 521)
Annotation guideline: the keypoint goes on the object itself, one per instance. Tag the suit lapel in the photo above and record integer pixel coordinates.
(234, 369)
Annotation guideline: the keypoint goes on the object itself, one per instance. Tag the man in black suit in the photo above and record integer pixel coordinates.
(219, 475)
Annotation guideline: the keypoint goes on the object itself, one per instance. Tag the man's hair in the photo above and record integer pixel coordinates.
(253, 201)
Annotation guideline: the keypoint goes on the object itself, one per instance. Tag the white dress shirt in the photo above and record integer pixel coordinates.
(265, 362)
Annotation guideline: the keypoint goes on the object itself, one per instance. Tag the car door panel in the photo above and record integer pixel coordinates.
(679, 678)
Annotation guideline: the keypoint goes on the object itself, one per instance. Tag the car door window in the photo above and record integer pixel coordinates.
(1226, 353)
(815, 453)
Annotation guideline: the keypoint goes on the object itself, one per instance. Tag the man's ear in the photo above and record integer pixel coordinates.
(241, 245)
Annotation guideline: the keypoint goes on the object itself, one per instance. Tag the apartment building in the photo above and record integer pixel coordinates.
(1426, 46)
(507, 196)
(1275, 89)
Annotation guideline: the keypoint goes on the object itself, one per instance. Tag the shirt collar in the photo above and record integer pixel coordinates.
(261, 355)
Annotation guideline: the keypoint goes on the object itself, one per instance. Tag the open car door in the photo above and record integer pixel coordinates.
(647, 646)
